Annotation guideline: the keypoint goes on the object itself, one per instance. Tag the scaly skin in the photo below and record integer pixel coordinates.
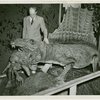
(31, 52)
(27, 55)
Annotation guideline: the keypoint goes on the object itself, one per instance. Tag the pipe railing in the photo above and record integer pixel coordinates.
(71, 85)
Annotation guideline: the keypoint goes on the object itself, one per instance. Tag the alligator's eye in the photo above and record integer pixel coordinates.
(32, 42)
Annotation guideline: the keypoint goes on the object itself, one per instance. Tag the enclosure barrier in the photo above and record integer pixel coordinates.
(71, 85)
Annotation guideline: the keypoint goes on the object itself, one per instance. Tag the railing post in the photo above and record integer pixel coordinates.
(73, 90)
(59, 14)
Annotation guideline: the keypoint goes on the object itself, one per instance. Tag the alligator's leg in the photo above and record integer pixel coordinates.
(60, 78)
(94, 63)
(19, 79)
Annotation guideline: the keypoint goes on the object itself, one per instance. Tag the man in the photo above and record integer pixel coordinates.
(31, 29)
(32, 25)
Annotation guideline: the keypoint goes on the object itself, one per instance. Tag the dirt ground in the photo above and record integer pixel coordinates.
(41, 81)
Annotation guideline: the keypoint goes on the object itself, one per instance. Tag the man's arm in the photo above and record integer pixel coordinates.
(44, 30)
(24, 29)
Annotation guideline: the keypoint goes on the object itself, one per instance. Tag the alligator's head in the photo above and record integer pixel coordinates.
(24, 43)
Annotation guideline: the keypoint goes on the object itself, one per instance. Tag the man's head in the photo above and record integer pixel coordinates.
(32, 12)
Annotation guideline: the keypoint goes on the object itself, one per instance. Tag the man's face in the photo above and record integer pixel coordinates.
(32, 12)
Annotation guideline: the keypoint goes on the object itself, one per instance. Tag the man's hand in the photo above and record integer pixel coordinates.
(46, 40)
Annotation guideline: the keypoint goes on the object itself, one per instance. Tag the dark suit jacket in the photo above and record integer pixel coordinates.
(33, 31)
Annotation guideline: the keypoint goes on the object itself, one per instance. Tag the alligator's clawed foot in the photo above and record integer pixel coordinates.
(19, 80)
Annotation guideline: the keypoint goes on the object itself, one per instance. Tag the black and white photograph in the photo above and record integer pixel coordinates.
(50, 49)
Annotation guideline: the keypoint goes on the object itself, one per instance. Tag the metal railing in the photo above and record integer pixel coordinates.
(71, 85)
